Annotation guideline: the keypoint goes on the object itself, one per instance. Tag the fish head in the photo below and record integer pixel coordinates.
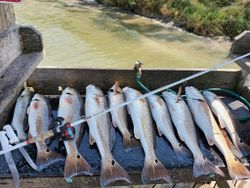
(169, 96)
(130, 93)
(193, 93)
(69, 95)
(93, 90)
(27, 93)
(210, 96)
(115, 89)
(37, 102)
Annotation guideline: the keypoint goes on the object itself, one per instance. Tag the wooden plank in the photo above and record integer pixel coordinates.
(94, 181)
(240, 46)
(10, 46)
(47, 80)
(17, 61)
(12, 80)
(7, 17)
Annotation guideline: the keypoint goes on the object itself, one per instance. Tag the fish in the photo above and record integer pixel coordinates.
(39, 119)
(226, 120)
(183, 121)
(207, 123)
(120, 117)
(20, 118)
(102, 133)
(164, 126)
(71, 109)
(143, 130)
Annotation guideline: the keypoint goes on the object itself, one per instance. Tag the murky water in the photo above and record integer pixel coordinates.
(98, 37)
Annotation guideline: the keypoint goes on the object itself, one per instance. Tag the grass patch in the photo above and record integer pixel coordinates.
(203, 17)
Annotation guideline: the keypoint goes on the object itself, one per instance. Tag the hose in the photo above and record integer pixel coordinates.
(230, 93)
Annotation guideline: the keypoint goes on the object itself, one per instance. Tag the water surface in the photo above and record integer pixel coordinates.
(83, 36)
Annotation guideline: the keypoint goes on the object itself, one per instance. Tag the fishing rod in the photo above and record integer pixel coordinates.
(66, 131)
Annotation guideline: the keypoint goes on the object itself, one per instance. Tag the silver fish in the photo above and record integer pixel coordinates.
(39, 118)
(164, 125)
(120, 117)
(184, 124)
(102, 133)
(205, 120)
(70, 108)
(20, 117)
(226, 120)
(143, 130)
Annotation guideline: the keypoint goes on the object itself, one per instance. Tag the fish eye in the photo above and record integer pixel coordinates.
(111, 90)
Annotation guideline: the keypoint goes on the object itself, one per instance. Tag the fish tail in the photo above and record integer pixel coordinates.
(154, 170)
(203, 166)
(111, 171)
(182, 153)
(237, 170)
(47, 157)
(130, 143)
(75, 165)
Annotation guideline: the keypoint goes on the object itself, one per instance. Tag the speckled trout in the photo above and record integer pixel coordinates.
(226, 120)
(39, 118)
(120, 117)
(143, 130)
(205, 120)
(71, 108)
(102, 133)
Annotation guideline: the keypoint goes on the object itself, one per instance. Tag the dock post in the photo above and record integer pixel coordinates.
(241, 45)
(7, 17)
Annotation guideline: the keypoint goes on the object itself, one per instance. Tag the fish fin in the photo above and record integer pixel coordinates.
(111, 171)
(210, 141)
(222, 125)
(182, 153)
(114, 124)
(28, 110)
(129, 109)
(91, 139)
(205, 167)
(154, 170)
(233, 148)
(159, 131)
(237, 153)
(130, 143)
(237, 170)
(111, 138)
(135, 133)
(47, 157)
(243, 147)
(76, 165)
(79, 140)
(180, 136)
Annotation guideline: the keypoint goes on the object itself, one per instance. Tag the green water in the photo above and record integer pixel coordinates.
(83, 36)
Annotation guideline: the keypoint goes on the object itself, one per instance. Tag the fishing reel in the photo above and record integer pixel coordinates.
(63, 131)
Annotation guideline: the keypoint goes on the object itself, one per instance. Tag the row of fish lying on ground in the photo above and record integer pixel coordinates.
(166, 112)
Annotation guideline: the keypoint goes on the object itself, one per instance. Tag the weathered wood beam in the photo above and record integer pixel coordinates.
(240, 46)
(7, 17)
(20, 53)
(47, 80)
